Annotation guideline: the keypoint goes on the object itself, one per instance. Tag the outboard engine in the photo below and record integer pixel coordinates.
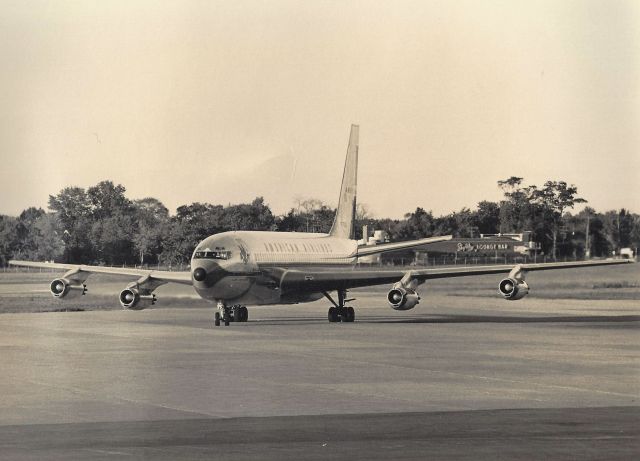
(65, 288)
(402, 299)
(513, 289)
(130, 298)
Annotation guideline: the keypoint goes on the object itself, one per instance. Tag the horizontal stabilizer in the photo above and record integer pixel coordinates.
(384, 247)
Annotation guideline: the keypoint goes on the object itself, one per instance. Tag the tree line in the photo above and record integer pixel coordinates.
(100, 225)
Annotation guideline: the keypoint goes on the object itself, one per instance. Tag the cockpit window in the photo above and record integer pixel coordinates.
(218, 254)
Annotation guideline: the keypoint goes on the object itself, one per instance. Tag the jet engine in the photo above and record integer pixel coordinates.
(513, 289)
(402, 299)
(130, 298)
(61, 288)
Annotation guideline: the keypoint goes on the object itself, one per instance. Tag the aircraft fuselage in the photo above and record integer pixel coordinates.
(234, 266)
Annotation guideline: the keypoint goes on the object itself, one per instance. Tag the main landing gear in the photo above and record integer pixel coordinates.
(339, 312)
(227, 314)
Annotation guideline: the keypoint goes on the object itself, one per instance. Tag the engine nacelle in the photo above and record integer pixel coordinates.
(402, 299)
(130, 298)
(513, 289)
(65, 288)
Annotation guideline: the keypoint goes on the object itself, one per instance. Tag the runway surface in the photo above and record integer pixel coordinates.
(458, 377)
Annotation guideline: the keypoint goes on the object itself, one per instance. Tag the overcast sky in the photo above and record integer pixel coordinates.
(222, 101)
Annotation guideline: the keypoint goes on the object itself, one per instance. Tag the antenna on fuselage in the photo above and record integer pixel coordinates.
(343, 224)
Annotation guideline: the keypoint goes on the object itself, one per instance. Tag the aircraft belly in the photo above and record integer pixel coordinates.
(230, 287)
(260, 295)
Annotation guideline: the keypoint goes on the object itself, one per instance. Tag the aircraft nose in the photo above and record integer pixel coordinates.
(208, 274)
(200, 275)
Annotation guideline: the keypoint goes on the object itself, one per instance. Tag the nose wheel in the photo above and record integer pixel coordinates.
(339, 312)
(227, 314)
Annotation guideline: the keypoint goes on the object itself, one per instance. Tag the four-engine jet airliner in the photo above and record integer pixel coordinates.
(235, 269)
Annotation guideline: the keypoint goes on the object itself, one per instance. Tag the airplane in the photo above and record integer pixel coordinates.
(239, 268)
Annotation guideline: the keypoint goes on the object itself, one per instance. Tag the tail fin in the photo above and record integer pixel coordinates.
(343, 224)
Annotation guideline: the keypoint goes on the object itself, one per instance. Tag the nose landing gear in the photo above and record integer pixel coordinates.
(339, 312)
(227, 314)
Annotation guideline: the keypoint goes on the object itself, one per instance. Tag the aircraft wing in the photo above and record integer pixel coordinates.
(384, 247)
(305, 281)
(156, 275)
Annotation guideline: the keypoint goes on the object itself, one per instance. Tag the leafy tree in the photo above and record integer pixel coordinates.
(114, 223)
(73, 210)
(27, 231)
(555, 197)
(487, 217)
(113, 239)
(107, 199)
(635, 232)
(516, 211)
(35, 235)
(48, 238)
(445, 225)
(153, 219)
(600, 239)
(458, 224)
(581, 231)
(540, 210)
(417, 225)
(309, 205)
(625, 228)
(71, 204)
(322, 219)
(291, 222)
(150, 210)
(249, 216)
(8, 239)
(310, 215)
(191, 224)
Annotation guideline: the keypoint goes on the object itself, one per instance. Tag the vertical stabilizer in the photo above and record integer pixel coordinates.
(343, 225)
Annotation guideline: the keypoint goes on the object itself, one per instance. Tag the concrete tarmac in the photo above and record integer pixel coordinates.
(458, 377)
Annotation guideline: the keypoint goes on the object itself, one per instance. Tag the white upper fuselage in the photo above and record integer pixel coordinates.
(281, 249)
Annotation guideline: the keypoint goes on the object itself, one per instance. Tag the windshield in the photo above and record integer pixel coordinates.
(207, 254)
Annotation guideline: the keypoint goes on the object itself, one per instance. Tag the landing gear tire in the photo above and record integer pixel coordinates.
(240, 314)
(350, 314)
(339, 312)
(216, 319)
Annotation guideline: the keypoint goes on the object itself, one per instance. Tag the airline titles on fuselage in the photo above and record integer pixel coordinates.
(286, 247)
